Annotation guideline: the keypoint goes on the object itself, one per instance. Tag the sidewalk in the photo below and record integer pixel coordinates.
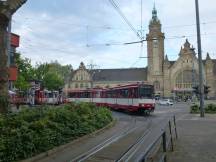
(196, 139)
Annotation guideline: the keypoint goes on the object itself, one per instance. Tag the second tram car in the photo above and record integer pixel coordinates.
(133, 98)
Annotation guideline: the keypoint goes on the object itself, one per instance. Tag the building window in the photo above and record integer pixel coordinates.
(81, 85)
(86, 85)
(76, 85)
(186, 79)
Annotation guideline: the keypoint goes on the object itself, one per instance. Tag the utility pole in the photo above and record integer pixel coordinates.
(201, 86)
(92, 72)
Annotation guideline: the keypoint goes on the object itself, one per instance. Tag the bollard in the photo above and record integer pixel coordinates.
(174, 119)
(171, 138)
(164, 146)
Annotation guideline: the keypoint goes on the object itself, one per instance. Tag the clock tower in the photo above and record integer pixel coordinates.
(155, 46)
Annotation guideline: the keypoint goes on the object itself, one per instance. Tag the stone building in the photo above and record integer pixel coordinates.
(170, 78)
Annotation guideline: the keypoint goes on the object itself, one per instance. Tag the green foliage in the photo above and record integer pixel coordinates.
(25, 72)
(4, 104)
(52, 74)
(52, 81)
(210, 108)
(41, 70)
(62, 70)
(194, 109)
(33, 131)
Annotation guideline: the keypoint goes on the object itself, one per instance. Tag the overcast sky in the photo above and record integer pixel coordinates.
(61, 30)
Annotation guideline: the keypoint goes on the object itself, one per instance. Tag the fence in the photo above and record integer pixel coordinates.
(164, 142)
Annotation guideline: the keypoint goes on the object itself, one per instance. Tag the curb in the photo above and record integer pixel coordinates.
(62, 147)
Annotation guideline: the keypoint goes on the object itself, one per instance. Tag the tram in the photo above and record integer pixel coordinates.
(137, 97)
(39, 97)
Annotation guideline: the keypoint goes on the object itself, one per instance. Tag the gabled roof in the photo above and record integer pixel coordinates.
(131, 74)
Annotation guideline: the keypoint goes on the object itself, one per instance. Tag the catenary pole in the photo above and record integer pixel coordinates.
(201, 86)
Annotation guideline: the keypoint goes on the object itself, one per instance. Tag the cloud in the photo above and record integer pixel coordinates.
(60, 30)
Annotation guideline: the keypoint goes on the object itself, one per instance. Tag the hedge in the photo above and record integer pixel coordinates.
(33, 131)
(210, 108)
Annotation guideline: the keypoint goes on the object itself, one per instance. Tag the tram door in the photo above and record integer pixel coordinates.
(130, 96)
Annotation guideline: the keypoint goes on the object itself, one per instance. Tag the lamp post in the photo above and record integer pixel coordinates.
(200, 61)
(7, 9)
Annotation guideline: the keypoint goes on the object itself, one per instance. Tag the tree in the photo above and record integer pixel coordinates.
(62, 70)
(52, 81)
(25, 72)
(7, 9)
(41, 70)
(3, 64)
(53, 75)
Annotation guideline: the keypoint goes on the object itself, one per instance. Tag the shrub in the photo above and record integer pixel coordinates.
(210, 108)
(194, 109)
(33, 131)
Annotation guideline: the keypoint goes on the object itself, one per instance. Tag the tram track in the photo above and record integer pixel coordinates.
(132, 149)
(130, 127)
(126, 141)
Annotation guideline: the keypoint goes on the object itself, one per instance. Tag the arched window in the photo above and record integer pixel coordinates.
(186, 79)
(157, 85)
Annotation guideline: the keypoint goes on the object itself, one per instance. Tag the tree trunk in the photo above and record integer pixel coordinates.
(4, 101)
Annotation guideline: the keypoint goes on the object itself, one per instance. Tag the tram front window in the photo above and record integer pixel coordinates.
(146, 92)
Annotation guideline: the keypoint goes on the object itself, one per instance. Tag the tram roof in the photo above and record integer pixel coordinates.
(131, 74)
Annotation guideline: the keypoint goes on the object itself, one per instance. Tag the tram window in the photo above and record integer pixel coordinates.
(123, 93)
(111, 94)
(50, 95)
(133, 93)
(97, 95)
(146, 92)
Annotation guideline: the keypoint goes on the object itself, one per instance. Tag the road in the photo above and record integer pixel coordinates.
(123, 141)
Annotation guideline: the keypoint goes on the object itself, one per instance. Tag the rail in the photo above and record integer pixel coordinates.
(167, 140)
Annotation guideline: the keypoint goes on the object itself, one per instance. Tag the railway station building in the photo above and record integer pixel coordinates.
(170, 78)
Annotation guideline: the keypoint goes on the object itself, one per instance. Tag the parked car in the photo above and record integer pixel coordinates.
(165, 102)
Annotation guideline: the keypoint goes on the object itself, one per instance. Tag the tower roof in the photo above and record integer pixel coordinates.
(187, 44)
(154, 16)
(154, 13)
(208, 57)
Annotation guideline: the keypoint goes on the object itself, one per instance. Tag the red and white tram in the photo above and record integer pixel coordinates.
(48, 97)
(133, 98)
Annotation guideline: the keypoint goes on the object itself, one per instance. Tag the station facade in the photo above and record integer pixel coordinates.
(170, 78)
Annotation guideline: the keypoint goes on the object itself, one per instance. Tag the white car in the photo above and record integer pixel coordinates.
(165, 102)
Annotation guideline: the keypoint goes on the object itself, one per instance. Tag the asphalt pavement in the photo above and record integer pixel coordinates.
(196, 142)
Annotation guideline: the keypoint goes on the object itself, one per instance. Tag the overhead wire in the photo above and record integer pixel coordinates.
(114, 4)
(140, 35)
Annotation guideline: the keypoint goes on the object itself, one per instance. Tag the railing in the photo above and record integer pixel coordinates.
(164, 142)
